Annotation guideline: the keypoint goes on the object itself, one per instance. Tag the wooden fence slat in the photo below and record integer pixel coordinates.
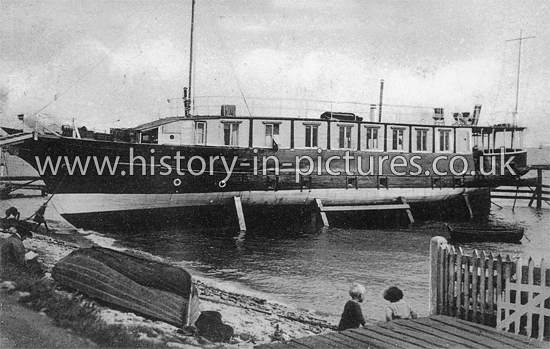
(466, 296)
(490, 286)
(451, 287)
(519, 278)
(530, 293)
(543, 268)
(499, 270)
(475, 272)
(460, 283)
(482, 291)
(440, 274)
(445, 280)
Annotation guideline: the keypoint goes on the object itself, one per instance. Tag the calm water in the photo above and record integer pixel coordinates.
(313, 269)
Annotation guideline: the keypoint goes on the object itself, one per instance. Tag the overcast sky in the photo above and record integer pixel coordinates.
(115, 63)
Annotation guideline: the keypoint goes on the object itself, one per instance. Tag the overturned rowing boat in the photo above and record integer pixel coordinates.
(146, 287)
(486, 233)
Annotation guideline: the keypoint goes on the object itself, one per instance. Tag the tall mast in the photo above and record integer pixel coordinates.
(521, 38)
(190, 91)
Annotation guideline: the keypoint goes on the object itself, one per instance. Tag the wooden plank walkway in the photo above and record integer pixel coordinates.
(433, 332)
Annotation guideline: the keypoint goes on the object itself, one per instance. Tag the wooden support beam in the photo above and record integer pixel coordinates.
(467, 200)
(322, 212)
(407, 209)
(366, 207)
(240, 213)
(532, 198)
(538, 189)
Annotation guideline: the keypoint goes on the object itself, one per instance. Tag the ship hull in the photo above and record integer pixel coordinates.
(143, 188)
(126, 211)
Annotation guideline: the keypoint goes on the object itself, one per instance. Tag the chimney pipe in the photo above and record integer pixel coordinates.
(372, 115)
(186, 102)
(381, 95)
(477, 111)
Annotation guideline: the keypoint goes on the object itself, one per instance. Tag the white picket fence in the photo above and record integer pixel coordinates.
(510, 294)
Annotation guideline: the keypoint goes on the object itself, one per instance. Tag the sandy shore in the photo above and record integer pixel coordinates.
(254, 320)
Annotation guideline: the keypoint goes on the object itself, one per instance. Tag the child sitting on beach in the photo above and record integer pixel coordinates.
(352, 317)
(398, 309)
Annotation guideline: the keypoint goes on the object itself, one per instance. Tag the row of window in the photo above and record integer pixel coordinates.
(231, 136)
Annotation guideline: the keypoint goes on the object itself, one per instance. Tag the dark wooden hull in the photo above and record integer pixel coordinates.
(486, 234)
(82, 196)
(149, 288)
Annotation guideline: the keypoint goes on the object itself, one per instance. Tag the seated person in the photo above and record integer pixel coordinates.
(398, 309)
(13, 260)
(352, 316)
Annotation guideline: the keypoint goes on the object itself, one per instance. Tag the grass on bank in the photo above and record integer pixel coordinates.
(68, 310)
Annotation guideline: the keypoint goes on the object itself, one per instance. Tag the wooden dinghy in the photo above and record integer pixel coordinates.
(146, 287)
(486, 233)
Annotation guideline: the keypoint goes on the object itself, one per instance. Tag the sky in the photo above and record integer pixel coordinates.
(116, 63)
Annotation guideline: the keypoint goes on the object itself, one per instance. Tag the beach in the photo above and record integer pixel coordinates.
(253, 319)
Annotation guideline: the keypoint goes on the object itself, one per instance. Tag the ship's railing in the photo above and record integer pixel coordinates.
(304, 108)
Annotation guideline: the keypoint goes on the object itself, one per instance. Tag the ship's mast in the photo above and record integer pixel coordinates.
(521, 38)
(188, 97)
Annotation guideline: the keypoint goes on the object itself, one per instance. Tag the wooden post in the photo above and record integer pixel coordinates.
(539, 188)
(321, 212)
(240, 213)
(468, 205)
(435, 245)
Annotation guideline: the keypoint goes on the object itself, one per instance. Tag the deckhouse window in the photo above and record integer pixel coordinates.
(372, 138)
(397, 138)
(422, 140)
(271, 134)
(200, 132)
(345, 137)
(444, 140)
(312, 133)
(231, 134)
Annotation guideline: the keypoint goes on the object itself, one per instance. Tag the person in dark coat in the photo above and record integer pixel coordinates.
(12, 255)
(352, 316)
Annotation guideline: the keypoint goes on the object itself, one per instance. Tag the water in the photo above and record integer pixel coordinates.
(314, 269)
